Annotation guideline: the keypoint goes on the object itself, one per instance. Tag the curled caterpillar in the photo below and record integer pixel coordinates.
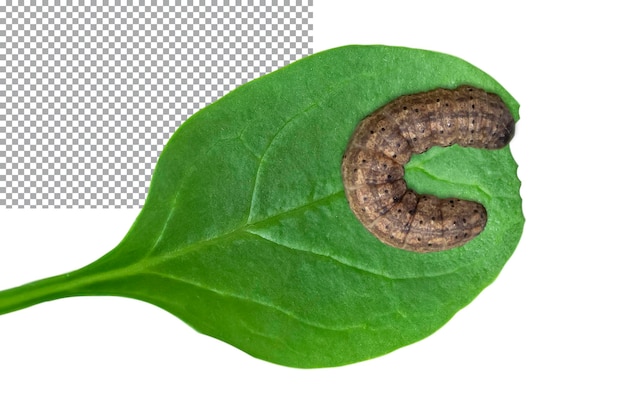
(383, 142)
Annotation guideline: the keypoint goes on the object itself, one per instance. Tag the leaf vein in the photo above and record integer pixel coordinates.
(253, 197)
(170, 214)
(261, 303)
(429, 174)
(319, 254)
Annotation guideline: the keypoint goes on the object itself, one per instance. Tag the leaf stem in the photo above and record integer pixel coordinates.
(77, 283)
(47, 289)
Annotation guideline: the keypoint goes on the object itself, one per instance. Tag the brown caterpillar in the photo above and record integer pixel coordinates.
(382, 143)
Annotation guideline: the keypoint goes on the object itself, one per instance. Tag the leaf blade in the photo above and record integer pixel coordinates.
(246, 234)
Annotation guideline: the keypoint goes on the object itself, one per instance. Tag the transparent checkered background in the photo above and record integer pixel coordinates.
(90, 94)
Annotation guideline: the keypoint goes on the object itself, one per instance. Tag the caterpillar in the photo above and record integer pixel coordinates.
(383, 142)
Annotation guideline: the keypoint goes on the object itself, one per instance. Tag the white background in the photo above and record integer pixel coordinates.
(547, 338)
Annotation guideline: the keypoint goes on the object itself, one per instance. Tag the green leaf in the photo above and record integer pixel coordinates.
(247, 236)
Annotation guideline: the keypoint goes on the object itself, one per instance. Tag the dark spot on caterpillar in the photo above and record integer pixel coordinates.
(382, 202)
